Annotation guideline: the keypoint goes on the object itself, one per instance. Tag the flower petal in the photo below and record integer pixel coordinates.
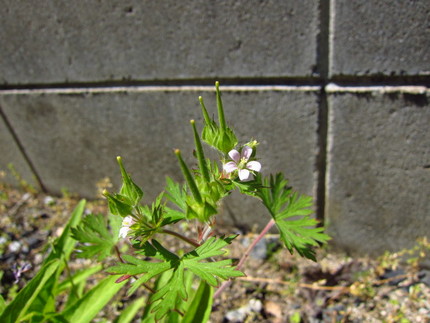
(244, 174)
(234, 154)
(246, 152)
(229, 167)
(123, 232)
(127, 221)
(254, 165)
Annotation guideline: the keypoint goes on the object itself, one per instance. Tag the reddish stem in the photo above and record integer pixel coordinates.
(245, 256)
(180, 236)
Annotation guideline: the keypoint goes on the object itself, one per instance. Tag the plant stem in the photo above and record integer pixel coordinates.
(245, 256)
(180, 236)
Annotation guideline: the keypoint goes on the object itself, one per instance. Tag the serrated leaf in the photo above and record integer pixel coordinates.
(196, 261)
(172, 216)
(177, 194)
(170, 293)
(291, 214)
(211, 272)
(95, 237)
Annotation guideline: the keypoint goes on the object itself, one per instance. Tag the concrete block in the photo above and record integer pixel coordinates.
(11, 155)
(378, 170)
(380, 38)
(73, 137)
(56, 42)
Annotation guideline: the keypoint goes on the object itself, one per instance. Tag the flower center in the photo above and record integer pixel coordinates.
(242, 163)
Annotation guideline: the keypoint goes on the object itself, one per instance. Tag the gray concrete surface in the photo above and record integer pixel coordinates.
(83, 82)
(92, 41)
(12, 155)
(73, 138)
(380, 37)
(378, 169)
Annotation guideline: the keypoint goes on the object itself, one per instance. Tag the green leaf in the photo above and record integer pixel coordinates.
(150, 220)
(213, 271)
(18, 307)
(128, 313)
(169, 294)
(172, 216)
(95, 237)
(2, 304)
(149, 315)
(172, 290)
(148, 269)
(65, 244)
(220, 137)
(220, 108)
(291, 214)
(62, 247)
(200, 154)
(80, 276)
(75, 293)
(200, 308)
(176, 194)
(189, 177)
(129, 188)
(85, 309)
(118, 204)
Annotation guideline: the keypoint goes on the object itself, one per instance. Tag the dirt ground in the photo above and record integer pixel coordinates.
(279, 287)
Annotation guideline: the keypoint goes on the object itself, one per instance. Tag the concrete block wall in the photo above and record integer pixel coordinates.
(335, 91)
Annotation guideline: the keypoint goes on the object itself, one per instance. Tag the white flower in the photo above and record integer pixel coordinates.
(127, 222)
(241, 164)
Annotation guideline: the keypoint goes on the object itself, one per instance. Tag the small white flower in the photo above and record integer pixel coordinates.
(241, 164)
(127, 222)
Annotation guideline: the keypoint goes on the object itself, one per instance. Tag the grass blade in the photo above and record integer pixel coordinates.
(19, 306)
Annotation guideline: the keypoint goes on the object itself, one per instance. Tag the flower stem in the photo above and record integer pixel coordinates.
(182, 237)
(245, 256)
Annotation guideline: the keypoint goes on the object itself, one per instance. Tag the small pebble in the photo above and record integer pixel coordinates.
(49, 200)
(2, 240)
(14, 246)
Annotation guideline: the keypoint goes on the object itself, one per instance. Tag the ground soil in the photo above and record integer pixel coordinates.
(279, 287)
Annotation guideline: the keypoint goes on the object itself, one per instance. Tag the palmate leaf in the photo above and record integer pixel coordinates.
(291, 214)
(211, 272)
(166, 298)
(94, 236)
(196, 261)
(177, 194)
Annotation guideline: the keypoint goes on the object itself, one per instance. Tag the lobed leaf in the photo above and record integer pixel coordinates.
(95, 237)
(291, 214)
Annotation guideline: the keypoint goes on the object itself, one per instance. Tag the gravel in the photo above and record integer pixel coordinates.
(279, 287)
